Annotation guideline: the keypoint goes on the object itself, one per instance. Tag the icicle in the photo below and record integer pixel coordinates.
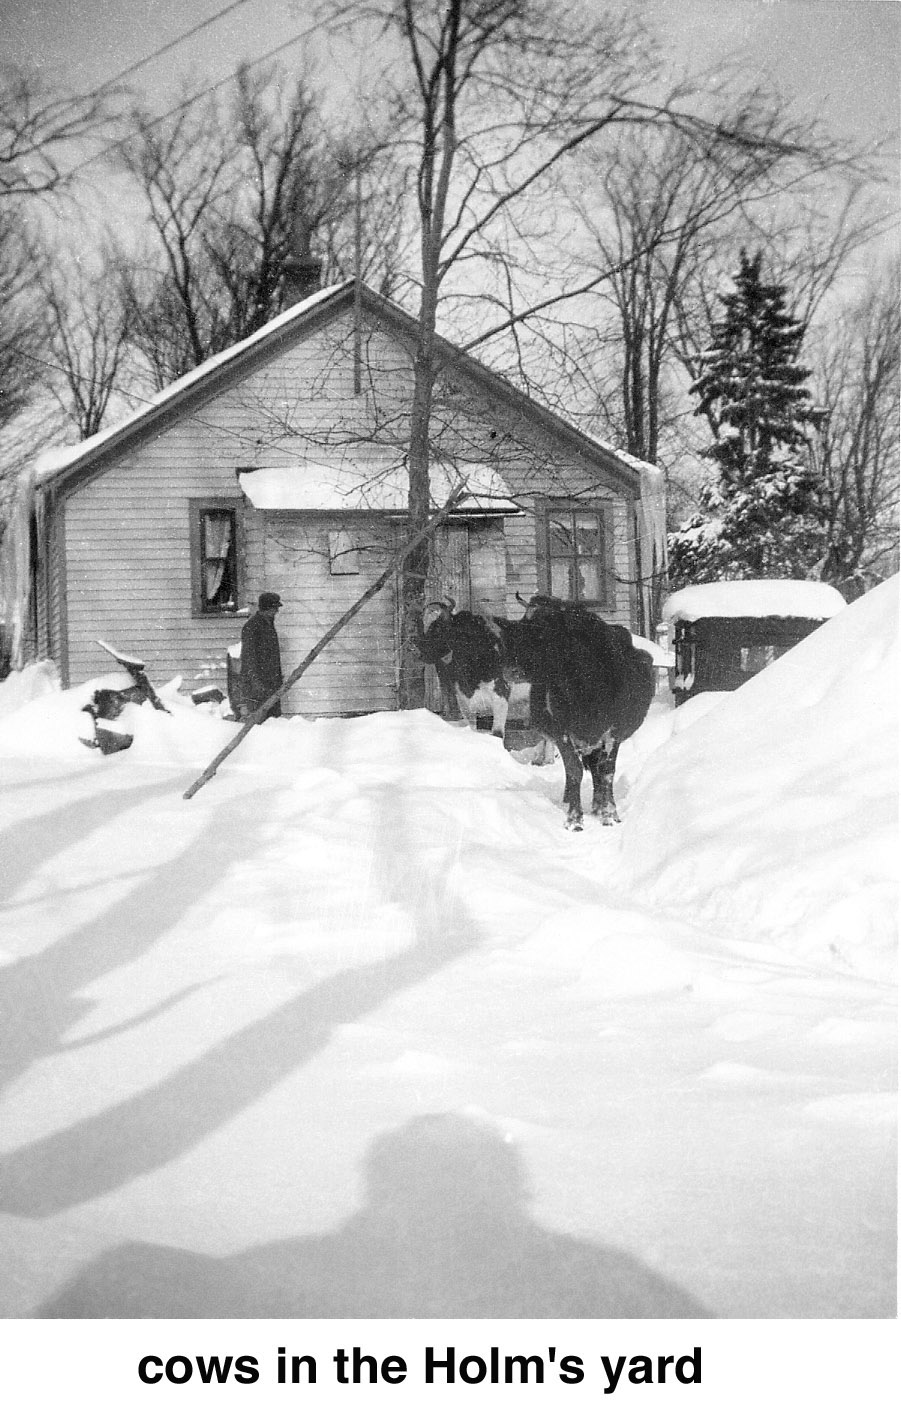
(15, 570)
(653, 517)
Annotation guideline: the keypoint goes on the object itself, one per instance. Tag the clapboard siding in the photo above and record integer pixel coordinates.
(120, 564)
(128, 530)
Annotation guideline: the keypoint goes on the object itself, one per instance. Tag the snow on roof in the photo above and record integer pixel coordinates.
(652, 478)
(55, 460)
(638, 464)
(804, 600)
(374, 483)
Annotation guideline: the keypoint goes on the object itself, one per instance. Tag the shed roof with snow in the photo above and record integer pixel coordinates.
(752, 600)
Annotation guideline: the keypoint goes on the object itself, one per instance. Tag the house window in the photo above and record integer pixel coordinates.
(215, 534)
(343, 553)
(577, 556)
(756, 657)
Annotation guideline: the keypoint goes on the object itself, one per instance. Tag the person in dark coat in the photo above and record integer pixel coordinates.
(261, 661)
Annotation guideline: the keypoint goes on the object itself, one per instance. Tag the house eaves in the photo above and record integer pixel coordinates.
(59, 466)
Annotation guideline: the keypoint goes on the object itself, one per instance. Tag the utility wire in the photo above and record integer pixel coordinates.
(165, 49)
(211, 88)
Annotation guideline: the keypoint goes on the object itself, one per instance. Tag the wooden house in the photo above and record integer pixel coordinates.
(279, 465)
(726, 632)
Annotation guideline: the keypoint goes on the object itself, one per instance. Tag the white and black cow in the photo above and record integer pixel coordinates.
(588, 687)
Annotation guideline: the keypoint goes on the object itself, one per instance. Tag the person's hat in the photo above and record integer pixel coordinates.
(269, 601)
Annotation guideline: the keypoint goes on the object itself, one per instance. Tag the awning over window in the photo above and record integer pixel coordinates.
(372, 486)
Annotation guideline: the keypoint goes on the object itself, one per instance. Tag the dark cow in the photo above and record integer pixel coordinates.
(588, 686)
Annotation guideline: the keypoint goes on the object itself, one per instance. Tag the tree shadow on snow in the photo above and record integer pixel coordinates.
(147, 1131)
(41, 994)
(444, 1232)
(30, 843)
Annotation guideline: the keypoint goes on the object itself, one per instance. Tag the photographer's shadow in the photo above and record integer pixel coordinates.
(444, 1233)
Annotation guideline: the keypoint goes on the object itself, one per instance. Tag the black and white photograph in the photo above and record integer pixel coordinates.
(449, 548)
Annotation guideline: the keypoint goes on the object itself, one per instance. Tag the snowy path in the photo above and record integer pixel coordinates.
(361, 1031)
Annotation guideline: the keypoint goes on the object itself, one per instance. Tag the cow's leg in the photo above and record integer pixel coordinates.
(500, 701)
(572, 796)
(450, 709)
(602, 766)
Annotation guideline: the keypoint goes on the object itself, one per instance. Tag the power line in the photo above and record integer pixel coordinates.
(165, 49)
(211, 88)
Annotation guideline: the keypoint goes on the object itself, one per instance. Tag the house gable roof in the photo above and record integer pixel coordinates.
(58, 466)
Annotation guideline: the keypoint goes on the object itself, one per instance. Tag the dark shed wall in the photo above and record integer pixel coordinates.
(721, 654)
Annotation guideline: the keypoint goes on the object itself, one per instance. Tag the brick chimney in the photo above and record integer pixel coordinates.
(302, 273)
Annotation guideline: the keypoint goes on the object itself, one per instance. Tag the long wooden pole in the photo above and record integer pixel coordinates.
(259, 714)
(358, 281)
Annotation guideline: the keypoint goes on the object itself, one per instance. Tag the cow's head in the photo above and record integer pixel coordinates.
(536, 604)
(435, 643)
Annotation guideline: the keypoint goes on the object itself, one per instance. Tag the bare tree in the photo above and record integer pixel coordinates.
(490, 96)
(659, 213)
(367, 229)
(230, 195)
(38, 127)
(180, 168)
(22, 326)
(88, 339)
(857, 453)
(39, 131)
(491, 99)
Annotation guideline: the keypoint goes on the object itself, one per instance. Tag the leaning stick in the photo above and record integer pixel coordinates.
(259, 714)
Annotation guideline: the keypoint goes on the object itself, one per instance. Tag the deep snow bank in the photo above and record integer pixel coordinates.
(40, 721)
(775, 815)
(24, 685)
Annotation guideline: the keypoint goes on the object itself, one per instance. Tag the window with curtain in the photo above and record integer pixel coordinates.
(214, 556)
(576, 553)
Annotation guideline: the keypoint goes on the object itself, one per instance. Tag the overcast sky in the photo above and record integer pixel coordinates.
(839, 57)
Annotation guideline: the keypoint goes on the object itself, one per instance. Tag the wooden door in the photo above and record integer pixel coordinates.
(356, 673)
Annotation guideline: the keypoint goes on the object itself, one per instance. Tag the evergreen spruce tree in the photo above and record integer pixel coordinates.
(761, 515)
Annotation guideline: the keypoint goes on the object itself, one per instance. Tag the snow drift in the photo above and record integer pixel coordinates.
(775, 815)
(24, 685)
(241, 1035)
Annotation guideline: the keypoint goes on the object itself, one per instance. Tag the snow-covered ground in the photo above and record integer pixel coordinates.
(361, 1030)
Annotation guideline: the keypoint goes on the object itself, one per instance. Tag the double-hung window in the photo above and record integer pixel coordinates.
(215, 555)
(575, 552)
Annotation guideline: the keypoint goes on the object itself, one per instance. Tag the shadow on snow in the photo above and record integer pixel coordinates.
(444, 1232)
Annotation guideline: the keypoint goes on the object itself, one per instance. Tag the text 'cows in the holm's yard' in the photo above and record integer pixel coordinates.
(588, 687)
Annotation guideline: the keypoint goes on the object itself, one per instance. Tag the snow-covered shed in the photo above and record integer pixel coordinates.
(280, 464)
(726, 632)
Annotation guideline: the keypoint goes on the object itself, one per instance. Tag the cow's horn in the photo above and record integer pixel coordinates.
(435, 611)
